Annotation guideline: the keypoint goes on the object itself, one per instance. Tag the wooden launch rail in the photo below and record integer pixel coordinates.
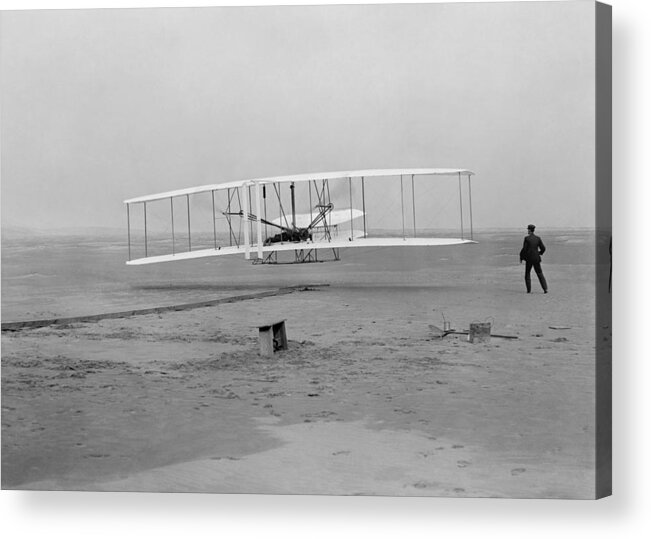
(32, 324)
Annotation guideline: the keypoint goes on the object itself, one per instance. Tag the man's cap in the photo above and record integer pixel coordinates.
(531, 227)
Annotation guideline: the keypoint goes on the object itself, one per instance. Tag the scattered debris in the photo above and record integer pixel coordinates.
(437, 332)
(455, 332)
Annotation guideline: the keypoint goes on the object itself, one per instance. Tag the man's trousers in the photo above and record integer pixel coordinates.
(539, 273)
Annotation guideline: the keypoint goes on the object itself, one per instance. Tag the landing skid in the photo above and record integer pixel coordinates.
(301, 256)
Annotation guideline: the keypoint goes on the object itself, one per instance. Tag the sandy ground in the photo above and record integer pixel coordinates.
(366, 400)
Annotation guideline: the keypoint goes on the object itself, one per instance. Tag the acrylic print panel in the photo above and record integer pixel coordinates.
(410, 369)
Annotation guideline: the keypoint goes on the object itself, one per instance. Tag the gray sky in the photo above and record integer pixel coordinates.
(103, 105)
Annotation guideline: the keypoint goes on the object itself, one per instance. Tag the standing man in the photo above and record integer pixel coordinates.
(532, 250)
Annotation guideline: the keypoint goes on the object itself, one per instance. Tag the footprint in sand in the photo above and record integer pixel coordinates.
(518, 471)
(322, 414)
(424, 484)
(403, 411)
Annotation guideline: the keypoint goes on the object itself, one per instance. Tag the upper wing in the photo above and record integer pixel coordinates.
(188, 191)
(364, 173)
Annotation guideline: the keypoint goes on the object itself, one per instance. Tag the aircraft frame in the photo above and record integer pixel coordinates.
(321, 227)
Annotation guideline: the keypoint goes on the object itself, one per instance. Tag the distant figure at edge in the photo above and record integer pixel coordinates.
(532, 249)
(610, 275)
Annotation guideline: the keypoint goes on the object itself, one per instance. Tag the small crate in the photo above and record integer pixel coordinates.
(479, 332)
(273, 338)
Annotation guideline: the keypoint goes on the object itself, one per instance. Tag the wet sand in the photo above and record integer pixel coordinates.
(366, 400)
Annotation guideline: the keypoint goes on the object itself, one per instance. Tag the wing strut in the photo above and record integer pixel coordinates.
(228, 217)
(214, 223)
(189, 237)
(350, 191)
(470, 202)
(460, 205)
(402, 208)
(327, 185)
(247, 239)
(264, 197)
(291, 189)
(129, 231)
(364, 207)
(228, 213)
(413, 202)
(259, 220)
(309, 191)
(172, 215)
(145, 212)
(239, 227)
(321, 198)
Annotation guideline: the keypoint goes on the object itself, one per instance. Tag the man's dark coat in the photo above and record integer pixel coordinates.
(532, 248)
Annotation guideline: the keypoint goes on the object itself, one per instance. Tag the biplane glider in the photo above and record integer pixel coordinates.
(307, 217)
